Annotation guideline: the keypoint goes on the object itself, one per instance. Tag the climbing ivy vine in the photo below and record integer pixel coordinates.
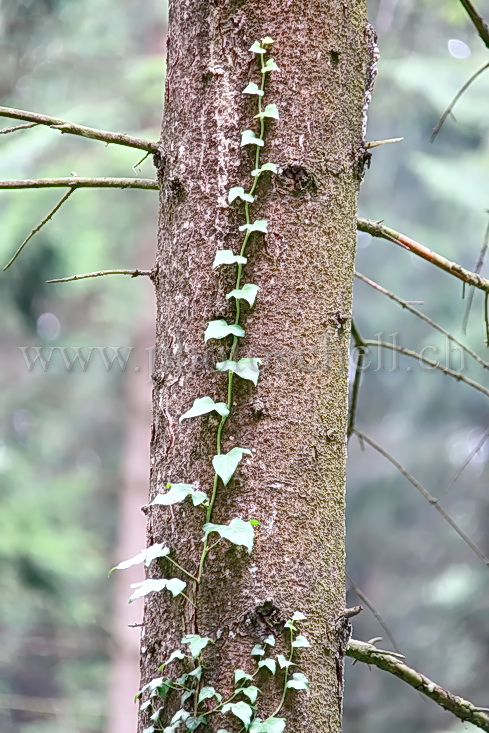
(198, 701)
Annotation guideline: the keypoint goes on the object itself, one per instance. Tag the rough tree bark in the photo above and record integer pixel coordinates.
(295, 420)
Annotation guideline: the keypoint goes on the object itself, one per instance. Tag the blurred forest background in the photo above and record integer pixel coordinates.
(74, 443)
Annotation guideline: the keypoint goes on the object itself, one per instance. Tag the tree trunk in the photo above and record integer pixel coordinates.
(294, 421)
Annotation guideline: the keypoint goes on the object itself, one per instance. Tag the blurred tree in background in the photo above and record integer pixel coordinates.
(69, 437)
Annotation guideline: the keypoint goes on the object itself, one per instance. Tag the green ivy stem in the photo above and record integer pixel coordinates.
(234, 344)
(286, 679)
(174, 562)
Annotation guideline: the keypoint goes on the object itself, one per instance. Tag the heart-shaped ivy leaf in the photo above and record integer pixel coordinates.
(227, 257)
(253, 88)
(241, 710)
(179, 492)
(260, 225)
(248, 137)
(270, 664)
(247, 292)
(238, 192)
(237, 531)
(225, 464)
(147, 556)
(251, 692)
(174, 585)
(300, 642)
(298, 682)
(269, 66)
(220, 329)
(271, 111)
(265, 167)
(244, 368)
(196, 643)
(203, 405)
(270, 725)
(256, 48)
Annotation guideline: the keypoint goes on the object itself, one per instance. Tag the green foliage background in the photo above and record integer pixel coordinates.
(101, 63)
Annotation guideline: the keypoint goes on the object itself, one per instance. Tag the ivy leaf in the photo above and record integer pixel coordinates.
(239, 192)
(146, 556)
(260, 225)
(156, 715)
(226, 464)
(150, 729)
(237, 531)
(207, 692)
(269, 66)
(283, 662)
(270, 664)
(186, 696)
(247, 292)
(244, 368)
(253, 88)
(258, 651)
(251, 692)
(270, 640)
(265, 167)
(196, 644)
(298, 681)
(179, 715)
(300, 642)
(221, 730)
(241, 710)
(220, 329)
(177, 654)
(267, 41)
(270, 725)
(193, 723)
(298, 616)
(177, 493)
(197, 672)
(174, 585)
(203, 405)
(227, 257)
(271, 111)
(256, 48)
(239, 675)
(248, 137)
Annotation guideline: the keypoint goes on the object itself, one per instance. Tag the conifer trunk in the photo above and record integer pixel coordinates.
(294, 421)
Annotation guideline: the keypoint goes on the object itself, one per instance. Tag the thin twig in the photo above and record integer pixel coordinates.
(102, 273)
(377, 229)
(374, 611)
(376, 143)
(461, 708)
(76, 182)
(477, 20)
(405, 304)
(361, 352)
(7, 130)
(73, 129)
(429, 362)
(468, 459)
(431, 499)
(39, 227)
(454, 101)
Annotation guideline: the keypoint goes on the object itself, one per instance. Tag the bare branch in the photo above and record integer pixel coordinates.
(407, 306)
(7, 130)
(39, 226)
(429, 362)
(478, 267)
(461, 708)
(75, 182)
(73, 129)
(361, 353)
(434, 502)
(454, 101)
(376, 143)
(468, 459)
(103, 273)
(377, 229)
(374, 611)
(477, 20)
